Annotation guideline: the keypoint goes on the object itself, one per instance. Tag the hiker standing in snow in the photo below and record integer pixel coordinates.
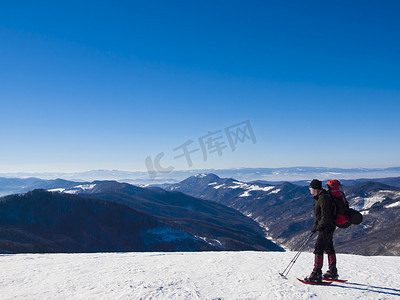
(324, 223)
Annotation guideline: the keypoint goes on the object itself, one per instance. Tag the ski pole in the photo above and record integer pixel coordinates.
(293, 261)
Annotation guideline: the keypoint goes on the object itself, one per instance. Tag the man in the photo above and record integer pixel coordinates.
(324, 223)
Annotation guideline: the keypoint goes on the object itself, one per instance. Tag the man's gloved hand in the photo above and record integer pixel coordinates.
(314, 229)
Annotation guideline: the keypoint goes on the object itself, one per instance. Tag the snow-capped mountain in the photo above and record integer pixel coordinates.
(285, 210)
(212, 187)
(368, 194)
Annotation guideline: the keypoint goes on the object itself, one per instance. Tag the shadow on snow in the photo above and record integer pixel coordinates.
(369, 288)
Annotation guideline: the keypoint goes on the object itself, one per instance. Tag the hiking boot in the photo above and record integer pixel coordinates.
(331, 273)
(315, 276)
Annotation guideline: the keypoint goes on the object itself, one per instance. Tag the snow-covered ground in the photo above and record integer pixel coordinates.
(205, 275)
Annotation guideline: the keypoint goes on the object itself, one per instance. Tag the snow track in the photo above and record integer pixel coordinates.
(200, 275)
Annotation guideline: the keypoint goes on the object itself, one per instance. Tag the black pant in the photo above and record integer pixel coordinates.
(325, 242)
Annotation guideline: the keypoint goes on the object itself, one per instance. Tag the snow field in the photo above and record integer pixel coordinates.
(198, 275)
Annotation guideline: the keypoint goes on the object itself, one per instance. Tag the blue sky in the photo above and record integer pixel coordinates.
(105, 84)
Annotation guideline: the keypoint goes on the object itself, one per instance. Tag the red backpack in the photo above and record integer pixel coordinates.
(344, 216)
(342, 210)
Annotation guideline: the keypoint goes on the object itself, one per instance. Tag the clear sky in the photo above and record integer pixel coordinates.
(105, 84)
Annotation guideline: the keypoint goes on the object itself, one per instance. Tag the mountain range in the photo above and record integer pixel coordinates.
(212, 213)
(112, 216)
(285, 211)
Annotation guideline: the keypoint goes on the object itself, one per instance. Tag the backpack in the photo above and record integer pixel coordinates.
(344, 216)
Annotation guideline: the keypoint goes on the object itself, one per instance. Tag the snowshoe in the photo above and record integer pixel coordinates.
(331, 274)
(315, 276)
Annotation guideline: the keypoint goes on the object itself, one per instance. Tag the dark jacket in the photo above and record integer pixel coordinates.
(323, 211)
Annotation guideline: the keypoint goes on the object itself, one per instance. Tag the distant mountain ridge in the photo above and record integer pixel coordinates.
(22, 185)
(392, 181)
(243, 174)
